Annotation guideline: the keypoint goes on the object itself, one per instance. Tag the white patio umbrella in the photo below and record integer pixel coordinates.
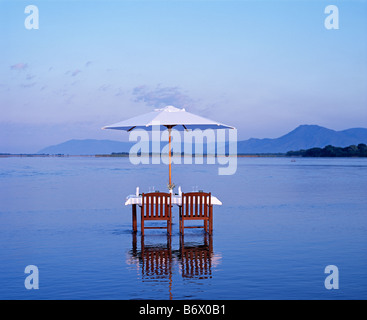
(168, 118)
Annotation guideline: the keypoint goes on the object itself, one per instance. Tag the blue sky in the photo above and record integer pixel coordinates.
(262, 66)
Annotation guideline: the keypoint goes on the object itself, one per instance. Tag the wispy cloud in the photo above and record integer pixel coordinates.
(120, 92)
(30, 77)
(19, 66)
(162, 96)
(28, 85)
(75, 72)
(104, 87)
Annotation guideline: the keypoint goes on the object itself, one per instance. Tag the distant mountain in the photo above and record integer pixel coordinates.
(303, 137)
(87, 147)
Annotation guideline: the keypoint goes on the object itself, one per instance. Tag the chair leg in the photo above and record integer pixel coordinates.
(168, 242)
(211, 220)
(181, 241)
(169, 227)
(142, 227)
(182, 226)
(205, 225)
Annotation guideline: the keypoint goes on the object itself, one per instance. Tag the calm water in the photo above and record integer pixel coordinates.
(280, 225)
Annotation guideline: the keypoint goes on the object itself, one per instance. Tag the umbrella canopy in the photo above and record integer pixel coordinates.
(168, 118)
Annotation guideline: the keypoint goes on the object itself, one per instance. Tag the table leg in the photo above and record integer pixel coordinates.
(135, 247)
(180, 218)
(135, 224)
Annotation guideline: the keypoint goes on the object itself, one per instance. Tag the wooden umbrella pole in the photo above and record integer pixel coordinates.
(169, 154)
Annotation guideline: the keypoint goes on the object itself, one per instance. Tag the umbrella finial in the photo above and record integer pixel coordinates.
(170, 109)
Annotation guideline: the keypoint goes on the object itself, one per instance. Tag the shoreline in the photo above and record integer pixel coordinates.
(263, 155)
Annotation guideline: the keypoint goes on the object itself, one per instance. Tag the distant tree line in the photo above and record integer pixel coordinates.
(331, 151)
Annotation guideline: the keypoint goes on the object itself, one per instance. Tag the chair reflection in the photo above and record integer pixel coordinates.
(196, 259)
(157, 261)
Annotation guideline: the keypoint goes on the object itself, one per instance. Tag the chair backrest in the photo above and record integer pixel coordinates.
(196, 204)
(156, 206)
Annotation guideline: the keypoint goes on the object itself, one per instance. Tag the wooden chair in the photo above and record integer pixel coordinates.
(156, 206)
(196, 206)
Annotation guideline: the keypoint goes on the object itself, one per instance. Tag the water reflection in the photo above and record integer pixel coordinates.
(155, 261)
(196, 259)
(158, 261)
